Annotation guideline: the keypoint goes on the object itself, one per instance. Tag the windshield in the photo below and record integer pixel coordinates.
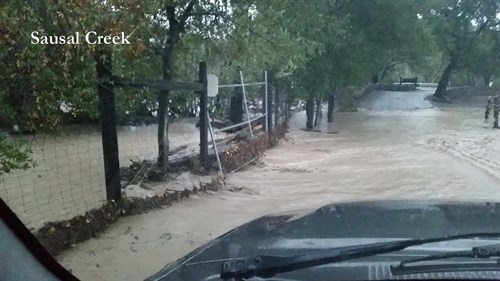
(137, 136)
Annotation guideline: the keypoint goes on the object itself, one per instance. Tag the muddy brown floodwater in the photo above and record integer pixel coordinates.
(377, 153)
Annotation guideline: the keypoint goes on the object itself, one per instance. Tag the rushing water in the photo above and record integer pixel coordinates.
(398, 147)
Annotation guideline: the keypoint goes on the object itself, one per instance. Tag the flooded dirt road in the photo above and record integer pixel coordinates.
(413, 152)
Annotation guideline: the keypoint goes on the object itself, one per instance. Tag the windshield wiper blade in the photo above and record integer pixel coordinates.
(482, 252)
(268, 266)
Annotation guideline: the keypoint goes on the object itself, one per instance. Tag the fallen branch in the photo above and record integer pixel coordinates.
(244, 165)
(225, 140)
(174, 151)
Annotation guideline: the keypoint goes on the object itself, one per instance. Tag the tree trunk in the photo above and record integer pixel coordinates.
(176, 26)
(318, 110)
(163, 98)
(331, 105)
(288, 103)
(276, 103)
(218, 106)
(236, 106)
(470, 80)
(461, 45)
(445, 77)
(386, 68)
(163, 147)
(310, 112)
(384, 72)
(487, 80)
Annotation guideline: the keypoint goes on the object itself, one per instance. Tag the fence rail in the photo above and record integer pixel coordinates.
(242, 85)
(158, 84)
(241, 123)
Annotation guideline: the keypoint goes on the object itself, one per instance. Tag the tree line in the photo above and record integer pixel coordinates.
(316, 50)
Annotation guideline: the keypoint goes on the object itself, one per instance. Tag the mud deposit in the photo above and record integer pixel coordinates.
(428, 153)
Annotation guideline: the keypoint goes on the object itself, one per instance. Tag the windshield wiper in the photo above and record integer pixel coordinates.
(268, 266)
(483, 252)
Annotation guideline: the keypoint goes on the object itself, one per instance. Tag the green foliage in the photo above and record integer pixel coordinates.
(14, 155)
(458, 27)
(483, 59)
(311, 47)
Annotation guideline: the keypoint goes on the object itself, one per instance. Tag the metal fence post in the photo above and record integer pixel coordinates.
(105, 90)
(264, 100)
(269, 105)
(203, 117)
(214, 143)
(245, 101)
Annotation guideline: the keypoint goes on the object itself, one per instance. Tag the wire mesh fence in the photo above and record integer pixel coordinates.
(66, 181)
(69, 176)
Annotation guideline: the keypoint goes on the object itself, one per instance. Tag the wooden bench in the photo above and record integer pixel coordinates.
(408, 80)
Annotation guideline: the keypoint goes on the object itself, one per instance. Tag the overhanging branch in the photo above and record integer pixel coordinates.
(187, 13)
(482, 27)
(209, 13)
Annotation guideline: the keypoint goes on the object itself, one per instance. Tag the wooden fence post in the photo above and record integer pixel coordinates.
(203, 118)
(105, 90)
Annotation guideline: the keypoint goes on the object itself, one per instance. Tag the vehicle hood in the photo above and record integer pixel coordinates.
(336, 225)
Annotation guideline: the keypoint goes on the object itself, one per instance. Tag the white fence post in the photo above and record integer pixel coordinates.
(246, 104)
(214, 144)
(265, 101)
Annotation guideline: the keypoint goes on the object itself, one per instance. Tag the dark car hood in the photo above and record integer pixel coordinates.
(336, 225)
